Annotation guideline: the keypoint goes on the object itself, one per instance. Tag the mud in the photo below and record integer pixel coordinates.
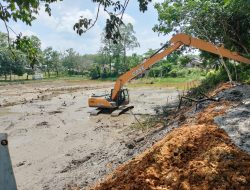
(54, 142)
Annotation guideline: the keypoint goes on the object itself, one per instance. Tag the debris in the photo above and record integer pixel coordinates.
(55, 112)
(44, 123)
(21, 164)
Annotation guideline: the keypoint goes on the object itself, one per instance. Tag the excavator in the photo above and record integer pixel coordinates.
(116, 102)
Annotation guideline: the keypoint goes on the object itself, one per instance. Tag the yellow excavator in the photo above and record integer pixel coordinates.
(116, 102)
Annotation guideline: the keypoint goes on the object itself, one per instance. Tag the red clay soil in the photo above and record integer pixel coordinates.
(196, 156)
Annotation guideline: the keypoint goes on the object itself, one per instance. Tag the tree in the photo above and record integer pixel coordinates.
(71, 62)
(48, 62)
(10, 64)
(128, 39)
(117, 52)
(220, 22)
(3, 40)
(31, 46)
(106, 52)
(51, 61)
(56, 62)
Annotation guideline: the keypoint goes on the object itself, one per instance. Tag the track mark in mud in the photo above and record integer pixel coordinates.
(74, 164)
(11, 126)
(43, 124)
(74, 136)
(55, 112)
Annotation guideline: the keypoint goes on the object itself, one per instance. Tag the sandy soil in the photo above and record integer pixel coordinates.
(54, 142)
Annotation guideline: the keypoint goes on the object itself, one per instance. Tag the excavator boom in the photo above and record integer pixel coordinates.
(118, 96)
(139, 69)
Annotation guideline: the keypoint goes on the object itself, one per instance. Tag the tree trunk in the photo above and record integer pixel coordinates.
(110, 66)
(225, 66)
(235, 70)
(48, 73)
(5, 76)
(124, 55)
(27, 78)
(227, 70)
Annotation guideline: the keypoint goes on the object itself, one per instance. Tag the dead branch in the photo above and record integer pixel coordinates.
(197, 101)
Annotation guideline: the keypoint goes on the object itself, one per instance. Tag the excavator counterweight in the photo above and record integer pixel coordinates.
(119, 97)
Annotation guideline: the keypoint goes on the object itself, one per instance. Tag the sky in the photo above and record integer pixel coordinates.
(57, 30)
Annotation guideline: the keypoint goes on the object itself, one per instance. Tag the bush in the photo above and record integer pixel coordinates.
(213, 78)
(95, 73)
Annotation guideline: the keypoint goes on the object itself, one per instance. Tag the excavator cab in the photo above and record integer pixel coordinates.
(105, 102)
(122, 98)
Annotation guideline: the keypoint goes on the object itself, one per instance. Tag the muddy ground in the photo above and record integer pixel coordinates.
(54, 142)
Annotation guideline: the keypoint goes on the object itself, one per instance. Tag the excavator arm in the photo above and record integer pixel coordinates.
(176, 42)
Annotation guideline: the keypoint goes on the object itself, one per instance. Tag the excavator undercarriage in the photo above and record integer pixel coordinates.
(106, 105)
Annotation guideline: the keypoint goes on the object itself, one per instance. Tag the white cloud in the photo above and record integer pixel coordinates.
(128, 19)
(68, 20)
(150, 40)
(29, 33)
(158, 1)
(44, 19)
(65, 20)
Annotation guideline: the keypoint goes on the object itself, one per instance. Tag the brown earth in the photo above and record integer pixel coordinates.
(197, 155)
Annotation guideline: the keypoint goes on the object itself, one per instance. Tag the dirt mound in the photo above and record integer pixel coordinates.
(191, 157)
(197, 155)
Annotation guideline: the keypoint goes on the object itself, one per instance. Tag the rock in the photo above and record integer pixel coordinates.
(64, 104)
(81, 161)
(139, 139)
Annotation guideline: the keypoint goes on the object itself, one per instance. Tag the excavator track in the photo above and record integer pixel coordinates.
(114, 112)
(121, 110)
(95, 112)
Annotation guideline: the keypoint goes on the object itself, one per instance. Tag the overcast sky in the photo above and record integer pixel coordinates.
(57, 30)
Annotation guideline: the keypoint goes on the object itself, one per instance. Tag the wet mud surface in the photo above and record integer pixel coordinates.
(54, 142)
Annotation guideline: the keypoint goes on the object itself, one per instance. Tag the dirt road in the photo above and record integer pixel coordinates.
(54, 142)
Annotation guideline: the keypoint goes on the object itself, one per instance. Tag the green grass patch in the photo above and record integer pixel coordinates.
(180, 83)
(76, 78)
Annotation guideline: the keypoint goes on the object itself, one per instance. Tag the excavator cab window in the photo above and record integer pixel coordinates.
(125, 97)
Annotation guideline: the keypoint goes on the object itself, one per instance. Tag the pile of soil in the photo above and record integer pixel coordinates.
(197, 155)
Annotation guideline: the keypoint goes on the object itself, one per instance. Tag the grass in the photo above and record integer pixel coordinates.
(23, 80)
(180, 83)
